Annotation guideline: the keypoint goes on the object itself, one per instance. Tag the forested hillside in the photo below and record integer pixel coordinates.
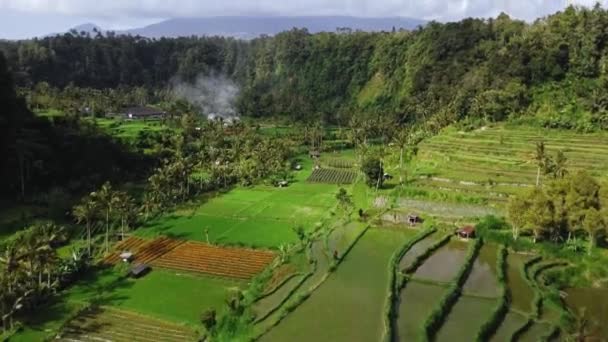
(40, 154)
(478, 69)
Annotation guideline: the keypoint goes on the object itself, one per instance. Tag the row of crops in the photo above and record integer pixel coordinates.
(144, 251)
(106, 324)
(494, 163)
(198, 257)
(333, 176)
(339, 163)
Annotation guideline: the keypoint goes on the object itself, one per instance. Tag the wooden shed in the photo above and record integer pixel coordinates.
(466, 232)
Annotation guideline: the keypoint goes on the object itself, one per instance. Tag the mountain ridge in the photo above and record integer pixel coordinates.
(249, 27)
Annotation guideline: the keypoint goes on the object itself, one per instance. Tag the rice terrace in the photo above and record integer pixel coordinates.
(276, 179)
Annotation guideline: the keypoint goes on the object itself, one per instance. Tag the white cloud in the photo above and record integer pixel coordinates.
(429, 9)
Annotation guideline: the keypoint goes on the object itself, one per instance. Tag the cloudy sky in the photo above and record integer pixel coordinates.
(27, 18)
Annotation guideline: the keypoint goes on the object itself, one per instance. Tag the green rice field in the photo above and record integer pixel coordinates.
(260, 216)
(348, 306)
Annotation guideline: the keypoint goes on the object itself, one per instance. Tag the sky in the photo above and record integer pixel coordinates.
(28, 18)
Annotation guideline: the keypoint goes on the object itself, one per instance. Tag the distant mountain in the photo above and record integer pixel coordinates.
(251, 27)
(88, 27)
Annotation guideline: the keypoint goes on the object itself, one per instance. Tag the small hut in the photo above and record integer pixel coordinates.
(314, 154)
(467, 232)
(412, 219)
(126, 256)
(139, 271)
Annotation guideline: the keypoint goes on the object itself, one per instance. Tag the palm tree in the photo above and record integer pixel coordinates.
(86, 212)
(10, 263)
(402, 139)
(148, 204)
(559, 166)
(126, 209)
(540, 159)
(107, 199)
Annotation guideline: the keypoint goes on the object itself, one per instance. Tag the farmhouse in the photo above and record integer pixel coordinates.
(143, 113)
(466, 232)
(412, 219)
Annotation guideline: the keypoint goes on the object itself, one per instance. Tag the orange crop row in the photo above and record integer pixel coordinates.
(143, 250)
(226, 262)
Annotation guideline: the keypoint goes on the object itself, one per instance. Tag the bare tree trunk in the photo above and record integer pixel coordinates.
(538, 177)
(89, 237)
(22, 176)
(107, 242)
(401, 166)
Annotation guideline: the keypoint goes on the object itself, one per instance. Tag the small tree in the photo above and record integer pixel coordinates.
(540, 215)
(374, 173)
(517, 209)
(344, 200)
(300, 232)
(208, 319)
(594, 225)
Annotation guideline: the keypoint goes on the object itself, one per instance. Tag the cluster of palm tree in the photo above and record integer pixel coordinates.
(107, 207)
(214, 154)
(207, 155)
(31, 270)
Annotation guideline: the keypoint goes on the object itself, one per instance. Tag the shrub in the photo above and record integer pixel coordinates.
(491, 223)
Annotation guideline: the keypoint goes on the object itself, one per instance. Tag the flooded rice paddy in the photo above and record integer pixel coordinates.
(416, 303)
(512, 322)
(482, 281)
(536, 332)
(465, 319)
(594, 301)
(444, 264)
(521, 293)
(417, 249)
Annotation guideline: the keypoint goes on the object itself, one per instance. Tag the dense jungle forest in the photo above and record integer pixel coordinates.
(554, 69)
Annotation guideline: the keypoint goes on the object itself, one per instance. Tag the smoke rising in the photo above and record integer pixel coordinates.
(214, 95)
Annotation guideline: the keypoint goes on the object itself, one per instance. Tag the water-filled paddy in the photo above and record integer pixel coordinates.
(445, 263)
(595, 303)
(416, 250)
(349, 305)
(512, 322)
(416, 302)
(466, 318)
(536, 332)
(265, 305)
(521, 293)
(482, 281)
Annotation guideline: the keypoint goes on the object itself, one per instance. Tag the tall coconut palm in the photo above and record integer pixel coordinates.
(126, 210)
(86, 212)
(402, 139)
(107, 199)
(559, 166)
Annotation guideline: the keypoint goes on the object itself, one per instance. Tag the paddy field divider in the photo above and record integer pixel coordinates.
(393, 289)
(489, 328)
(435, 320)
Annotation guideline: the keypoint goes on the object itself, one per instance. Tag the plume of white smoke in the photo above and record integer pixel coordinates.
(214, 95)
